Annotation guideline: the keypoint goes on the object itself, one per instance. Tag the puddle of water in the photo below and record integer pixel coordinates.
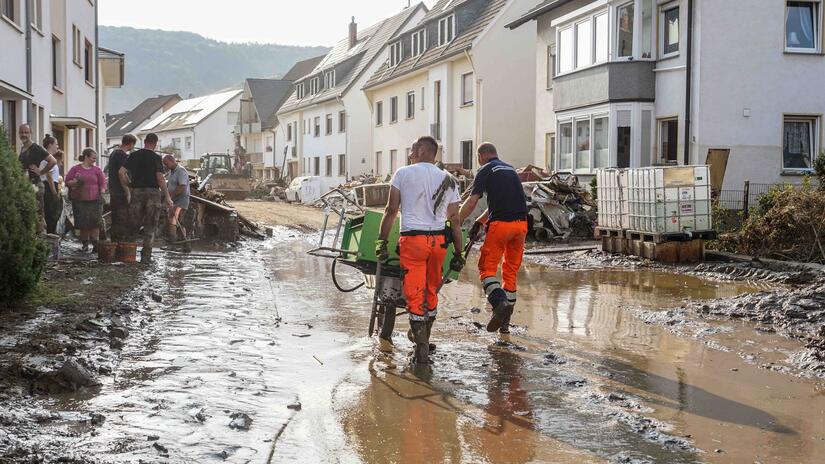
(214, 347)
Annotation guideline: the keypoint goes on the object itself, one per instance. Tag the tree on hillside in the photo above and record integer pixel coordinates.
(22, 253)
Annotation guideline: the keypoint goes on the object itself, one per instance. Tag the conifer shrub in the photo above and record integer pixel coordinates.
(22, 252)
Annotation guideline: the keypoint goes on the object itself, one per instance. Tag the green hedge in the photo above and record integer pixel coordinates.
(22, 252)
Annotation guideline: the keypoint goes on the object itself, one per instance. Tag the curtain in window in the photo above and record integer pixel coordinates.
(797, 149)
(800, 26)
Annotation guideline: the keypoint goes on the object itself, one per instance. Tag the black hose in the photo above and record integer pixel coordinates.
(337, 285)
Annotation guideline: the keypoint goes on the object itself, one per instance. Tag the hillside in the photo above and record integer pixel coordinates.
(164, 62)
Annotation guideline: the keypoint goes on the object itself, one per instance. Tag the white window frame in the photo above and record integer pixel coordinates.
(590, 115)
(395, 53)
(17, 20)
(573, 25)
(342, 121)
(188, 142)
(393, 110)
(660, 152)
(76, 46)
(816, 124)
(446, 34)
(818, 28)
(300, 91)
(57, 63)
(634, 39)
(464, 101)
(37, 15)
(410, 101)
(316, 126)
(328, 121)
(379, 113)
(663, 9)
(419, 42)
(329, 79)
(314, 85)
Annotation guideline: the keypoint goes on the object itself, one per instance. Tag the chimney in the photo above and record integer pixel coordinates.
(353, 33)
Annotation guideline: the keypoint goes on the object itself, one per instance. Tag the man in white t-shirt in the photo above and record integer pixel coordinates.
(427, 198)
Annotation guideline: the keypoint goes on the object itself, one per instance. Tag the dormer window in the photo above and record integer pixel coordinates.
(446, 30)
(314, 83)
(395, 53)
(329, 79)
(419, 42)
(300, 91)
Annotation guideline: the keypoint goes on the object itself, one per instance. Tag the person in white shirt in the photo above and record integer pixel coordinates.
(52, 203)
(427, 198)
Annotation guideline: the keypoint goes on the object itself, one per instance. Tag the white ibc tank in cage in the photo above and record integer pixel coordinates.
(662, 200)
(611, 200)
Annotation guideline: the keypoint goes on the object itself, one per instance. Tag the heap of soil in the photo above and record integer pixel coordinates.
(793, 229)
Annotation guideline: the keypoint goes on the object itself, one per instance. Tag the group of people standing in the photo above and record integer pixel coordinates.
(431, 215)
(138, 190)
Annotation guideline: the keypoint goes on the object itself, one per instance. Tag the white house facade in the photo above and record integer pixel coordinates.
(199, 125)
(657, 82)
(326, 120)
(57, 84)
(461, 77)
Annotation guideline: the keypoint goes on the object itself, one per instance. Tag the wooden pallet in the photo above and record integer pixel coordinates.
(666, 248)
(670, 237)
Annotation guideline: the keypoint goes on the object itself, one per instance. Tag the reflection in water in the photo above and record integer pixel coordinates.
(509, 413)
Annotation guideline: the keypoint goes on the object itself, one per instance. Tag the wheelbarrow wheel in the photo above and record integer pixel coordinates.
(387, 322)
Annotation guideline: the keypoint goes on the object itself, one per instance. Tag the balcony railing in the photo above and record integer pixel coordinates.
(248, 128)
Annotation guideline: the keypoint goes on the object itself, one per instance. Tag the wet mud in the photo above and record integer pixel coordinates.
(250, 355)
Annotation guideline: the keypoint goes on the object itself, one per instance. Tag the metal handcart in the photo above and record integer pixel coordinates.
(358, 234)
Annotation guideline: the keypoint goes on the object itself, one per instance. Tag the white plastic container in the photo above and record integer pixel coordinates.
(664, 200)
(612, 198)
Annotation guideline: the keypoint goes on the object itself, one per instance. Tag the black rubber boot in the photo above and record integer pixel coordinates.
(505, 324)
(418, 329)
(411, 337)
(146, 255)
(430, 332)
(500, 311)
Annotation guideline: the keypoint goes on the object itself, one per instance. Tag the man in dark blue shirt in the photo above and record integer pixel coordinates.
(506, 222)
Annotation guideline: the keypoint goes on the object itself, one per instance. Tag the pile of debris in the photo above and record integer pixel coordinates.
(212, 217)
(792, 228)
(559, 208)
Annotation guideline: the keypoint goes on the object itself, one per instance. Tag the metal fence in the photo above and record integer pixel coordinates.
(734, 200)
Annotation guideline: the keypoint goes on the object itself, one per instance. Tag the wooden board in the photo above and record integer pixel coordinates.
(718, 161)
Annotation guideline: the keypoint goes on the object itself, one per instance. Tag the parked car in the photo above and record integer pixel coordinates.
(305, 189)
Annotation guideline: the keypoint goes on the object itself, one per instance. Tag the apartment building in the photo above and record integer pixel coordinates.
(657, 82)
(259, 130)
(53, 75)
(460, 76)
(196, 126)
(327, 117)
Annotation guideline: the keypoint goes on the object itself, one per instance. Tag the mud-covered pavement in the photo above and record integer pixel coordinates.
(252, 356)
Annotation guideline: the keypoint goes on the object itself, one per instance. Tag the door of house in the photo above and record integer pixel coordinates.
(623, 147)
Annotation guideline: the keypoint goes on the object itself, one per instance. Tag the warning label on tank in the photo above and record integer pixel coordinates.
(686, 208)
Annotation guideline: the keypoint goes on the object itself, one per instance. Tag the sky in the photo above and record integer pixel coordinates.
(287, 22)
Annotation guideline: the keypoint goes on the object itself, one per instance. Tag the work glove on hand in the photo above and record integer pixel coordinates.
(475, 231)
(457, 263)
(381, 251)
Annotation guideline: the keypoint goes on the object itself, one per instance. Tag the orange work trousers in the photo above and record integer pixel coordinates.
(503, 240)
(422, 258)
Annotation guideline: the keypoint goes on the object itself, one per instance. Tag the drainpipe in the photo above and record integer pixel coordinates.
(688, 80)
(28, 27)
(98, 83)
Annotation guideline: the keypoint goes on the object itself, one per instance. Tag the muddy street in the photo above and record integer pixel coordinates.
(251, 355)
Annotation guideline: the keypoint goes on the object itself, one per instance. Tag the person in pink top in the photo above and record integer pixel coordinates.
(86, 186)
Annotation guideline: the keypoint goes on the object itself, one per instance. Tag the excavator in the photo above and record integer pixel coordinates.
(217, 171)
